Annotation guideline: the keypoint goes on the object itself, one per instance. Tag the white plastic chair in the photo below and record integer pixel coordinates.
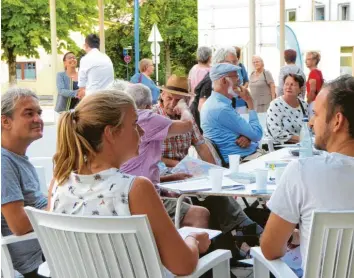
(46, 146)
(7, 269)
(77, 246)
(332, 235)
(47, 164)
(42, 179)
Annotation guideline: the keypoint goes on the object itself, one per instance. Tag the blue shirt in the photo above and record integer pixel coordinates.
(19, 182)
(141, 78)
(223, 125)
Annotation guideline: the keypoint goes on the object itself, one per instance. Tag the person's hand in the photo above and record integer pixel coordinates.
(170, 194)
(243, 142)
(203, 241)
(81, 93)
(179, 176)
(181, 107)
(245, 94)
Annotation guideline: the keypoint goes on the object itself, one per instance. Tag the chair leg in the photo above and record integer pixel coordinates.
(259, 270)
(222, 270)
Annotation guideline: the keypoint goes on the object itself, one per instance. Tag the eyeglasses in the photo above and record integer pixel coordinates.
(70, 58)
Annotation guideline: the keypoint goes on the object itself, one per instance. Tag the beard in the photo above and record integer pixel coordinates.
(321, 140)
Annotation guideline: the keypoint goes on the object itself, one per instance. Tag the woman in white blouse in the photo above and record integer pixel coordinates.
(94, 140)
(285, 113)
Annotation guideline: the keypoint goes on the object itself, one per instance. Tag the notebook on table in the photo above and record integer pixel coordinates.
(198, 185)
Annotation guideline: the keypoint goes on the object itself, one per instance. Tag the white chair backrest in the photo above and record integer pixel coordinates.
(332, 235)
(7, 270)
(262, 117)
(97, 247)
(47, 164)
(46, 146)
(42, 179)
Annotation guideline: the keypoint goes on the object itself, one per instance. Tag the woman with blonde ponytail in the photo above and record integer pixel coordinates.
(94, 140)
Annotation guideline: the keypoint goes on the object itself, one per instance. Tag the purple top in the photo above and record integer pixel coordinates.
(150, 150)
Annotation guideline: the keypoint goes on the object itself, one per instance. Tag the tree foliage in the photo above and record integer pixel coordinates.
(25, 25)
(177, 23)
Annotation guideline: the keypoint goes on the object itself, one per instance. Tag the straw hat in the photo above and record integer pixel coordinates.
(177, 85)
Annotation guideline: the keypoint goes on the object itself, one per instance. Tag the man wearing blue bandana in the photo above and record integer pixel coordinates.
(222, 124)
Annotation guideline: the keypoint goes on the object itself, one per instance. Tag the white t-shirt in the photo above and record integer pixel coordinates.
(96, 71)
(318, 183)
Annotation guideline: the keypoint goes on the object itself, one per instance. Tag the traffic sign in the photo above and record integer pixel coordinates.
(156, 59)
(155, 34)
(127, 59)
(157, 47)
(125, 52)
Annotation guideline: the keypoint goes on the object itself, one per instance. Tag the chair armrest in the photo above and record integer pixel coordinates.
(277, 267)
(12, 238)
(209, 262)
(43, 270)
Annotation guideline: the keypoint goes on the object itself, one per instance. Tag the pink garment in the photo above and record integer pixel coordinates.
(150, 150)
(196, 74)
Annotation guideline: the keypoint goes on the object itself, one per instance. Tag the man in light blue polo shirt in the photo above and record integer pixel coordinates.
(222, 124)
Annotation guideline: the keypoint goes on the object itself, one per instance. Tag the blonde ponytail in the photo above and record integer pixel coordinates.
(80, 130)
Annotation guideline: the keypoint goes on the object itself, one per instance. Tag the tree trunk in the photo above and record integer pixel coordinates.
(167, 61)
(12, 66)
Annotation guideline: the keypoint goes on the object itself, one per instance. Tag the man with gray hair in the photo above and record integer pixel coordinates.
(222, 124)
(156, 129)
(204, 88)
(21, 124)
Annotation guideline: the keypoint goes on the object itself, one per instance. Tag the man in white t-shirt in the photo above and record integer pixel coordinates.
(320, 182)
(96, 68)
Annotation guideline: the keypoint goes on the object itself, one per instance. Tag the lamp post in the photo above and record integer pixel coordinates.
(136, 35)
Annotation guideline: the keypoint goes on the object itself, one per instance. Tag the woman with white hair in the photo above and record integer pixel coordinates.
(146, 68)
(261, 85)
(198, 71)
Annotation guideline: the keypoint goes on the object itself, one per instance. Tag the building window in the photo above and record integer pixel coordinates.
(290, 15)
(320, 13)
(346, 60)
(26, 70)
(344, 11)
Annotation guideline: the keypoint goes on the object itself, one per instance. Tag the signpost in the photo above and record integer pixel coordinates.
(127, 58)
(155, 38)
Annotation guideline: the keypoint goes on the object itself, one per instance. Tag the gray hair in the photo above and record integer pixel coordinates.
(220, 54)
(203, 54)
(141, 95)
(11, 97)
(119, 85)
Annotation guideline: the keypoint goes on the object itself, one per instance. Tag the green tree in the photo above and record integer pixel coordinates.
(25, 25)
(177, 23)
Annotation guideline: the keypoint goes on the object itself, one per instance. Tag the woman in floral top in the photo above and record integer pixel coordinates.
(285, 113)
(93, 142)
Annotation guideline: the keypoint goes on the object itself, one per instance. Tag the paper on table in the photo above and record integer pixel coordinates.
(185, 231)
(199, 184)
(292, 258)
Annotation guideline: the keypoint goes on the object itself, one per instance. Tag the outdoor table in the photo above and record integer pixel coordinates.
(247, 192)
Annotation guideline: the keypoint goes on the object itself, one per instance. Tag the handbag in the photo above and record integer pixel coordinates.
(68, 103)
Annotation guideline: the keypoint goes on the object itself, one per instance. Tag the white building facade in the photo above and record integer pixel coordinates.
(325, 26)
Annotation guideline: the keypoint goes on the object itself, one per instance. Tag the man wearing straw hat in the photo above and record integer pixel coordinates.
(225, 213)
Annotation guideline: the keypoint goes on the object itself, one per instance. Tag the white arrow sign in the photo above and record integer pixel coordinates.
(155, 34)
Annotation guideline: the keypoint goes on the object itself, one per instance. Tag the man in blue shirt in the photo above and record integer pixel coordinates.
(222, 124)
(21, 124)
